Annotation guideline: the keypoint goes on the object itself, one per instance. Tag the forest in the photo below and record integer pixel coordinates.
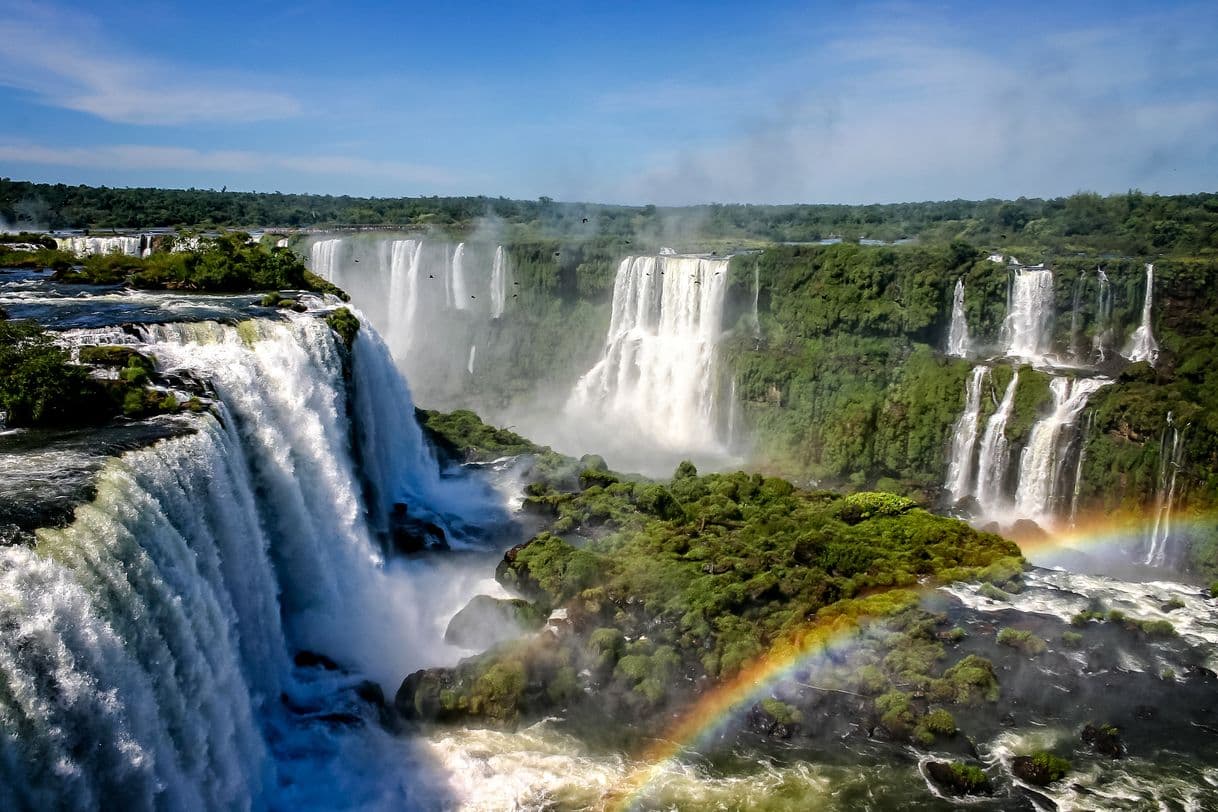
(1133, 223)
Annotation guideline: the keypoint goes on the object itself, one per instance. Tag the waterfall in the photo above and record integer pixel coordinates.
(85, 246)
(995, 453)
(733, 417)
(147, 645)
(756, 297)
(1028, 329)
(1171, 458)
(1142, 344)
(657, 374)
(469, 366)
(964, 438)
(499, 283)
(1103, 316)
(957, 334)
(1041, 463)
(403, 294)
(324, 259)
(460, 294)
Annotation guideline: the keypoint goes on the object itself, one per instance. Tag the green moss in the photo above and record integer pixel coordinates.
(781, 712)
(343, 322)
(1022, 640)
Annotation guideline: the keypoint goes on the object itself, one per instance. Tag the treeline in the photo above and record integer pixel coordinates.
(1134, 224)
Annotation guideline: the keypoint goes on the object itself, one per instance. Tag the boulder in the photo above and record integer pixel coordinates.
(1040, 769)
(959, 779)
(485, 622)
(418, 698)
(1104, 739)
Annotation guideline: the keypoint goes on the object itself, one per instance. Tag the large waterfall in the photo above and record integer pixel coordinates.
(995, 453)
(964, 438)
(658, 377)
(135, 246)
(1142, 344)
(430, 299)
(957, 334)
(1028, 329)
(147, 645)
(1040, 465)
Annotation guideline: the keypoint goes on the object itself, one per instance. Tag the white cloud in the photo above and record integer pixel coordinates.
(907, 111)
(138, 157)
(66, 61)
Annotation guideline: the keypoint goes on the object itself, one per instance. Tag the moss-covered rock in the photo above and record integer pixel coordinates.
(486, 621)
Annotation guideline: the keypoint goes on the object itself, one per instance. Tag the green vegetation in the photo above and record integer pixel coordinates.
(343, 322)
(1040, 768)
(1023, 641)
(667, 583)
(1133, 223)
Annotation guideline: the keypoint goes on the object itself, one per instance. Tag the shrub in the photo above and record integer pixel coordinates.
(1023, 641)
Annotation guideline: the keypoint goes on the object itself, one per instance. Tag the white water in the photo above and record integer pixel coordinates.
(1142, 344)
(1028, 329)
(1171, 458)
(964, 438)
(499, 283)
(1078, 467)
(1041, 462)
(460, 294)
(657, 378)
(469, 366)
(995, 455)
(756, 298)
(147, 644)
(431, 300)
(85, 246)
(957, 334)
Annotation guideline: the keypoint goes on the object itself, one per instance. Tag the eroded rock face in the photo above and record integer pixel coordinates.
(487, 621)
(414, 534)
(418, 699)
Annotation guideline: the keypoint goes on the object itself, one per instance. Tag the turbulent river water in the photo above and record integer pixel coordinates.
(156, 633)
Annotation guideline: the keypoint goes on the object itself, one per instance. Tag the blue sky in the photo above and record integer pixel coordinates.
(626, 101)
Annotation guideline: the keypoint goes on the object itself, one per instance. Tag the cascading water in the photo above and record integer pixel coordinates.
(756, 298)
(657, 375)
(499, 283)
(1040, 465)
(1102, 339)
(469, 366)
(460, 294)
(1028, 329)
(403, 294)
(995, 454)
(324, 259)
(957, 334)
(1142, 344)
(1078, 467)
(85, 246)
(1171, 459)
(147, 644)
(964, 438)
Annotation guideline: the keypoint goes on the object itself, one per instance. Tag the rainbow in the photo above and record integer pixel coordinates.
(804, 649)
(829, 633)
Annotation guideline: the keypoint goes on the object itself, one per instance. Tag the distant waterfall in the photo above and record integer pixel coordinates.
(86, 246)
(1080, 459)
(460, 294)
(1102, 339)
(995, 454)
(469, 366)
(147, 644)
(499, 283)
(1142, 344)
(431, 300)
(657, 374)
(403, 294)
(1171, 458)
(733, 418)
(964, 438)
(1041, 463)
(1028, 329)
(957, 334)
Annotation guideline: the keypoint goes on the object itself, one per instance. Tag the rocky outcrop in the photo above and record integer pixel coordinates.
(486, 621)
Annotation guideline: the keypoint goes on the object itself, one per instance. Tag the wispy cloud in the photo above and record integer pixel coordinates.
(67, 61)
(918, 111)
(183, 159)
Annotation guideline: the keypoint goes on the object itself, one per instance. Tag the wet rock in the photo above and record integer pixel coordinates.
(957, 778)
(414, 534)
(1146, 711)
(773, 718)
(1039, 769)
(311, 659)
(1104, 739)
(371, 692)
(1007, 720)
(486, 621)
(1200, 673)
(418, 698)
